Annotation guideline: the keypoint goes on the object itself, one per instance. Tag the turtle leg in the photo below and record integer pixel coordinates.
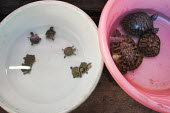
(154, 17)
(86, 72)
(124, 72)
(64, 56)
(74, 54)
(25, 72)
(116, 33)
(74, 49)
(80, 74)
(155, 30)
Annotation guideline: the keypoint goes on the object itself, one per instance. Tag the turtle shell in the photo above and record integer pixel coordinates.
(125, 53)
(137, 23)
(149, 44)
(29, 61)
(50, 33)
(35, 40)
(68, 51)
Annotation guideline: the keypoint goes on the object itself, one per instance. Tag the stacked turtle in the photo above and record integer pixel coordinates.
(78, 71)
(28, 61)
(128, 55)
(141, 24)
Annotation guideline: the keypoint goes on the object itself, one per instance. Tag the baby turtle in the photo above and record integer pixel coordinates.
(138, 23)
(125, 53)
(50, 33)
(76, 72)
(149, 44)
(34, 38)
(84, 67)
(68, 51)
(28, 61)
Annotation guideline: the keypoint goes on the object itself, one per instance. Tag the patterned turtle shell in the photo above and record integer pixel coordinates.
(149, 44)
(138, 23)
(125, 53)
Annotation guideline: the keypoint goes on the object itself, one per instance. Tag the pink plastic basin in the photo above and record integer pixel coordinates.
(150, 83)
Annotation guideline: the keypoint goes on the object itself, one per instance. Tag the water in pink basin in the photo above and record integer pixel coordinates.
(154, 73)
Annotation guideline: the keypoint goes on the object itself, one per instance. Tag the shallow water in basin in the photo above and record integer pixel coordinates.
(50, 67)
(153, 75)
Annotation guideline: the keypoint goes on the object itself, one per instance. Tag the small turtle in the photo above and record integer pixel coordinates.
(84, 67)
(125, 53)
(149, 44)
(28, 61)
(68, 51)
(76, 72)
(138, 23)
(50, 33)
(34, 38)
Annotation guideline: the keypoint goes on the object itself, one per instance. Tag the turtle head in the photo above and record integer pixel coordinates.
(32, 34)
(89, 66)
(154, 17)
(51, 28)
(124, 72)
